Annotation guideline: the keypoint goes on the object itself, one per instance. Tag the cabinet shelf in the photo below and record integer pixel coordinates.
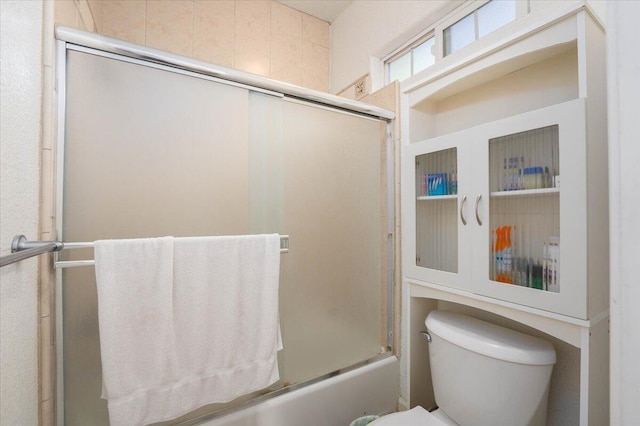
(436, 197)
(526, 192)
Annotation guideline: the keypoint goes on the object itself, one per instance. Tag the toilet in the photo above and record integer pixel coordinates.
(483, 374)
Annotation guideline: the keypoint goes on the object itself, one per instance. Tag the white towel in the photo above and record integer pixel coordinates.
(201, 324)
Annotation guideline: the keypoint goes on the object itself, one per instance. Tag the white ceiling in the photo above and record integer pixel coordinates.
(327, 10)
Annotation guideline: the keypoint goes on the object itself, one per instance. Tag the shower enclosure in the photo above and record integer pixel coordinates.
(148, 149)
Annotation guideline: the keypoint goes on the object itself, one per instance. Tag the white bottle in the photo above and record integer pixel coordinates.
(553, 254)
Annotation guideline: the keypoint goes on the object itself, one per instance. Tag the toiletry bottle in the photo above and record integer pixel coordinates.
(554, 264)
(537, 275)
(454, 182)
(508, 255)
(523, 271)
(545, 266)
(512, 168)
(494, 257)
(514, 257)
(496, 252)
(500, 254)
(505, 186)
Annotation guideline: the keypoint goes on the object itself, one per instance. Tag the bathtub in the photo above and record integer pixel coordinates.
(333, 401)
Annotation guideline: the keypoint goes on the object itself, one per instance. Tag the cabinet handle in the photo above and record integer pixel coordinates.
(464, 221)
(477, 203)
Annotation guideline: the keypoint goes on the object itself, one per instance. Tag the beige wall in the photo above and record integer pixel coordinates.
(263, 37)
(20, 105)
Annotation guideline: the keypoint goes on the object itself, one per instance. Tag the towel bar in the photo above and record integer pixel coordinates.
(22, 249)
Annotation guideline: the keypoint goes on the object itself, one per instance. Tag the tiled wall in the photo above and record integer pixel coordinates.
(263, 37)
(388, 98)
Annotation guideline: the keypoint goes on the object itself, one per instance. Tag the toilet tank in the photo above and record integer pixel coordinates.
(484, 374)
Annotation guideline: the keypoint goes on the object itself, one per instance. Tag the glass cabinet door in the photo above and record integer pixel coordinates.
(437, 240)
(436, 210)
(524, 170)
(533, 251)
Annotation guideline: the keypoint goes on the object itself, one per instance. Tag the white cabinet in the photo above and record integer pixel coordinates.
(505, 199)
(488, 203)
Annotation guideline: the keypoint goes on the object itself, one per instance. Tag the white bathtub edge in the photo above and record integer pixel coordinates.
(371, 389)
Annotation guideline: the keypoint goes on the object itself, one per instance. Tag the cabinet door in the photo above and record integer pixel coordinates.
(436, 211)
(533, 248)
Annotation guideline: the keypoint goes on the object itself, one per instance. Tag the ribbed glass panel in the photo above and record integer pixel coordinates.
(436, 220)
(524, 209)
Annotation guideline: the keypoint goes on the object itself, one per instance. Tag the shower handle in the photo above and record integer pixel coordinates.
(464, 221)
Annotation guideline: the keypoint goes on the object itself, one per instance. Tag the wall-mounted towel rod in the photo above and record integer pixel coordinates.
(22, 249)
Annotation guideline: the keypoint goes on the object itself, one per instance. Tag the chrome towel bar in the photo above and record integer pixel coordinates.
(22, 249)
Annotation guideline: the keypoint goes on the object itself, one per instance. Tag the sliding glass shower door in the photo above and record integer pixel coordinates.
(150, 151)
(320, 182)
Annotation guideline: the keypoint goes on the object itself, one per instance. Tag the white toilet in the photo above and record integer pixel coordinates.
(482, 374)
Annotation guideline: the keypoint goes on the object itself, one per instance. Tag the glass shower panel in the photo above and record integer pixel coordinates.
(149, 152)
(335, 212)
(140, 163)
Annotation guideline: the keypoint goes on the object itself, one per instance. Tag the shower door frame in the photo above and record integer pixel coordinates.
(76, 40)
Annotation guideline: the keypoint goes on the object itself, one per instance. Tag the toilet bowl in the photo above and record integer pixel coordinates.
(483, 375)
(417, 416)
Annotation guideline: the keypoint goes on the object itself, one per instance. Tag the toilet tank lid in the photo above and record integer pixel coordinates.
(489, 339)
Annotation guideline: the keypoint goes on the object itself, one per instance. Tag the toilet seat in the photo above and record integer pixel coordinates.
(417, 416)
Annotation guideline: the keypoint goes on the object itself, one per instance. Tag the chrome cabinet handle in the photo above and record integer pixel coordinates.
(464, 221)
(477, 203)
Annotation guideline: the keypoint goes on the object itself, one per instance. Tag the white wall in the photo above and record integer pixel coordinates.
(623, 37)
(374, 28)
(20, 94)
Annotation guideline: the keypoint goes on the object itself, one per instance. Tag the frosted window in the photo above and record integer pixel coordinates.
(481, 22)
(494, 15)
(400, 69)
(459, 34)
(423, 56)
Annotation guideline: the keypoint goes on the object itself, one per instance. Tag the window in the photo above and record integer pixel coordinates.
(409, 61)
(475, 19)
(479, 23)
